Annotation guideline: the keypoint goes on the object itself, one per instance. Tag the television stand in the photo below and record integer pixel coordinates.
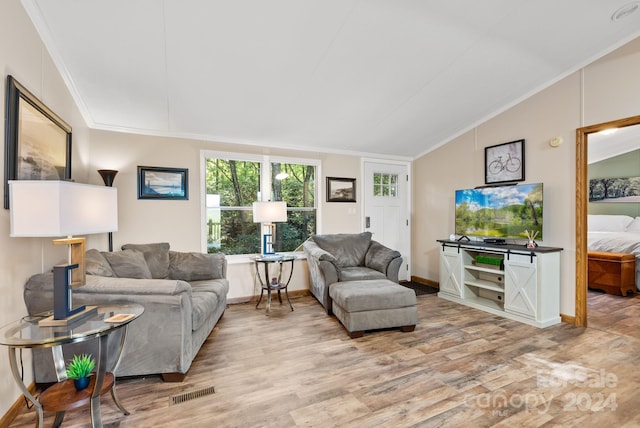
(503, 279)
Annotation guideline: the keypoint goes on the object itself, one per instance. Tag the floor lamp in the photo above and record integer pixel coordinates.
(46, 208)
(108, 175)
(268, 213)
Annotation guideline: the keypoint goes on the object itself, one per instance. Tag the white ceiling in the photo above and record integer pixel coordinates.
(383, 77)
(605, 145)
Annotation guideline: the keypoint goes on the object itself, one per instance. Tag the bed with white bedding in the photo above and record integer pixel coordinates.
(615, 234)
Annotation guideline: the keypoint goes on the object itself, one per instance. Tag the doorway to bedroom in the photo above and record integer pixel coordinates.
(613, 225)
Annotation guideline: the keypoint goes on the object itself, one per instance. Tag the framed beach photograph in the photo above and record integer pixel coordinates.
(163, 183)
(504, 163)
(37, 141)
(341, 189)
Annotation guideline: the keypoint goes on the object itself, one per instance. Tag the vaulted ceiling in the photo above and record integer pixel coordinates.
(386, 77)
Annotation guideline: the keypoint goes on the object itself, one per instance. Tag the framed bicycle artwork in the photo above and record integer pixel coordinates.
(504, 162)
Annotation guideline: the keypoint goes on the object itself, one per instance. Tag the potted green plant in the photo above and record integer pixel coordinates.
(79, 369)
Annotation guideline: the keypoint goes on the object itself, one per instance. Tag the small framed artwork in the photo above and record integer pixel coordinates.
(163, 183)
(504, 162)
(341, 189)
(37, 141)
(608, 189)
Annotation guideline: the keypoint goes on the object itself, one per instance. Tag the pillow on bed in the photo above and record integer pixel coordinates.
(634, 227)
(608, 222)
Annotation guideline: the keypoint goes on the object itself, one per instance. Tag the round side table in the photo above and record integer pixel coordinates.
(28, 332)
(273, 283)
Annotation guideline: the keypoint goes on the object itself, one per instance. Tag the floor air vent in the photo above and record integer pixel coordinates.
(191, 395)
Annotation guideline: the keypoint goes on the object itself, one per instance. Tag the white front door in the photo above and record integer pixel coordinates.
(386, 208)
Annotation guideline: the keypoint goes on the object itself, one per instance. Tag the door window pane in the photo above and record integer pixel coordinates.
(385, 185)
(377, 184)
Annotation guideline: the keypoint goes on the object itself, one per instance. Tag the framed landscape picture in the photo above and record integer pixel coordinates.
(163, 183)
(341, 189)
(504, 162)
(37, 141)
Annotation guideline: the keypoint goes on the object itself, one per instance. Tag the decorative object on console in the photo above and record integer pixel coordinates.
(57, 208)
(531, 243)
(504, 163)
(341, 189)
(163, 183)
(38, 142)
(268, 213)
(108, 175)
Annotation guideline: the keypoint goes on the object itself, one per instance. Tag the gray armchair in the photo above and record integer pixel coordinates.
(347, 257)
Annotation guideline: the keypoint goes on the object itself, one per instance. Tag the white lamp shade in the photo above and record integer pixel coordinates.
(61, 208)
(269, 212)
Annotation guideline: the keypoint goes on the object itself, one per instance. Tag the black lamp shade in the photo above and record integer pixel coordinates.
(108, 175)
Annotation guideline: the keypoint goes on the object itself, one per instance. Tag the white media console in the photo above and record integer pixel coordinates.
(510, 280)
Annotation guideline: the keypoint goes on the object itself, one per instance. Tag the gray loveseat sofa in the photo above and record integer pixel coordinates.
(184, 296)
(347, 257)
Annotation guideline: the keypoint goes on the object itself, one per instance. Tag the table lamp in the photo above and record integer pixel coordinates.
(268, 213)
(47, 208)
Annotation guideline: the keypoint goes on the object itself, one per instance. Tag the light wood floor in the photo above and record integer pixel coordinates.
(460, 367)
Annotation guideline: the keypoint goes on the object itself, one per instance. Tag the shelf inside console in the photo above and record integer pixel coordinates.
(487, 285)
(484, 269)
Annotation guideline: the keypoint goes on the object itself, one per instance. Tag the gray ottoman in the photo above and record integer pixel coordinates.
(372, 304)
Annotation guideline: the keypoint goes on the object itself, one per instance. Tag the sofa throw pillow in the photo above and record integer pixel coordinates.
(96, 264)
(349, 249)
(378, 257)
(156, 256)
(195, 266)
(128, 264)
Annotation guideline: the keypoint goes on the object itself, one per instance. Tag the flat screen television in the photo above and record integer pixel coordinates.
(500, 212)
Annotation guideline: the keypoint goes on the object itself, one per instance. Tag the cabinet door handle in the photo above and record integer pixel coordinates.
(367, 221)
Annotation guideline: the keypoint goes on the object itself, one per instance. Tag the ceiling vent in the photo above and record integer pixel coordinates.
(625, 11)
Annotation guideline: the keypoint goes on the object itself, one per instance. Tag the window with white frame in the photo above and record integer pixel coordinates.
(234, 181)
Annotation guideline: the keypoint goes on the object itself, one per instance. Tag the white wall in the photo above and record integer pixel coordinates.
(610, 90)
(23, 55)
(179, 222)
(341, 217)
